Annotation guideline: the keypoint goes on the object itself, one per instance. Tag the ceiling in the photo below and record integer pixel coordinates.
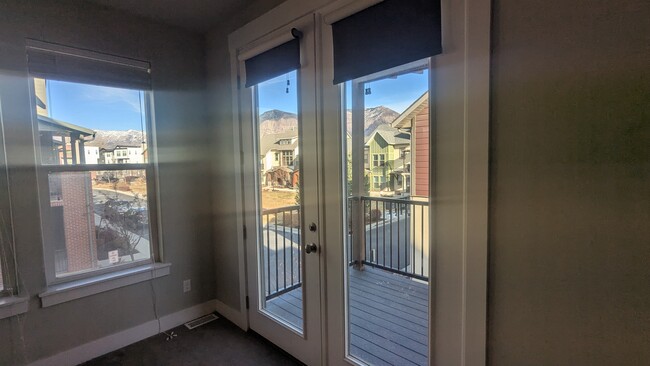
(194, 15)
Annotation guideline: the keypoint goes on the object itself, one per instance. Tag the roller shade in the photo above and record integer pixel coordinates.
(274, 62)
(385, 35)
(80, 66)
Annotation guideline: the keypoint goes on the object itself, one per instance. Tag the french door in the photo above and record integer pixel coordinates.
(281, 189)
(365, 239)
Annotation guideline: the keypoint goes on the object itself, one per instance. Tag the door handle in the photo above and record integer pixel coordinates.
(311, 248)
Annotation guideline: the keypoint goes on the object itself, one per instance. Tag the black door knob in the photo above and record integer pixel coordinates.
(311, 248)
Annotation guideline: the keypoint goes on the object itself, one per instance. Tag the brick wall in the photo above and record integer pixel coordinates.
(78, 218)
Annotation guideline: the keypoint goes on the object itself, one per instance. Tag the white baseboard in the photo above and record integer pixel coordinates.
(102, 346)
(239, 318)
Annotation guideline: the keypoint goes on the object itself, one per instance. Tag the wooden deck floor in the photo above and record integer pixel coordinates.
(388, 317)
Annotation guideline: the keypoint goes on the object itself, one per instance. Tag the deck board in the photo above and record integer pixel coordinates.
(388, 317)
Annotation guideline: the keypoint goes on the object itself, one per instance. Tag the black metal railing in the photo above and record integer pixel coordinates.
(396, 235)
(281, 250)
(396, 240)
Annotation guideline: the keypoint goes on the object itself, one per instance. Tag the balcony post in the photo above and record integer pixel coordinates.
(358, 181)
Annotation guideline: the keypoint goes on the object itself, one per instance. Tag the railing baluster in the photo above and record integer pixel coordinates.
(299, 246)
(276, 252)
(372, 259)
(391, 230)
(399, 263)
(291, 254)
(284, 249)
(383, 227)
(422, 246)
(399, 208)
(410, 235)
(268, 252)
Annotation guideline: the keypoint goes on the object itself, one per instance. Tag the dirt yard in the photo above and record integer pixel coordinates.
(277, 198)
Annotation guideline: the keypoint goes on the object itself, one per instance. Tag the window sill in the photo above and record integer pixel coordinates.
(13, 305)
(60, 293)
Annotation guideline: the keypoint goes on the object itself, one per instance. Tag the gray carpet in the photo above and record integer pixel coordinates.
(217, 343)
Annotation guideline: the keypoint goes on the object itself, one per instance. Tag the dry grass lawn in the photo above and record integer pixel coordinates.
(275, 199)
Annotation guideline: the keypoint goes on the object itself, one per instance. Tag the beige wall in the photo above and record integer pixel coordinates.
(569, 245)
(178, 78)
(220, 101)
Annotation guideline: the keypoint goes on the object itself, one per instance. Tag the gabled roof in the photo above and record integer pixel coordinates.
(391, 135)
(404, 119)
(55, 125)
(272, 141)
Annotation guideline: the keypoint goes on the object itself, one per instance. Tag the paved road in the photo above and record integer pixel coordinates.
(388, 243)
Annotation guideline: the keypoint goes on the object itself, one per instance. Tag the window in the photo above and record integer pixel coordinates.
(378, 160)
(277, 156)
(96, 216)
(287, 158)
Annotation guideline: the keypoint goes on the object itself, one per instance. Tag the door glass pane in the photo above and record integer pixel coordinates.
(280, 262)
(387, 163)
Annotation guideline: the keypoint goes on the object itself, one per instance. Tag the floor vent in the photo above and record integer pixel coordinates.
(200, 321)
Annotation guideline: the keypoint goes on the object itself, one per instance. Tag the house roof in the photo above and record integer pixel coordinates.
(113, 147)
(272, 141)
(391, 135)
(404, 119)
(279, 168)
(55, 125)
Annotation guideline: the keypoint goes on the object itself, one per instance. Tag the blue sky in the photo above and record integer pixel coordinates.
(105, 108)
(94, 107)
(397, 94)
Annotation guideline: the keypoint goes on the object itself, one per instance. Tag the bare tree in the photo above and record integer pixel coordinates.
(123, 219)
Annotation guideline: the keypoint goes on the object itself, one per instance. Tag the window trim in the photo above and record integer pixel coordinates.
(13, 305)
(153, 198)
(9, 270)
(84, 287)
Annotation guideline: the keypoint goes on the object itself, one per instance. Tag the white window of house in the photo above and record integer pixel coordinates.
(378, 160)
(277, 156)
(287, 158)
(96, 218)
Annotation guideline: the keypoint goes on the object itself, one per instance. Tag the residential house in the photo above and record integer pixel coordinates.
(415, 120)
(278, 158)
(121, 154)
(387, 158)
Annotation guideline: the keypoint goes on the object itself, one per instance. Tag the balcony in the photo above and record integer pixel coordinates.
(387, 277)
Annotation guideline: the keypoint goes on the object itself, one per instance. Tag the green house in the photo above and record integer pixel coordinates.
(387, 159)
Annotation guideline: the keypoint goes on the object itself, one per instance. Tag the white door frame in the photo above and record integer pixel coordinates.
(305, 344)
(461, 105)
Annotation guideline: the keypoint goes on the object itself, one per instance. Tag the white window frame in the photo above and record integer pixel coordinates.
(112, 276)
(7, 250)
(12, 302)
